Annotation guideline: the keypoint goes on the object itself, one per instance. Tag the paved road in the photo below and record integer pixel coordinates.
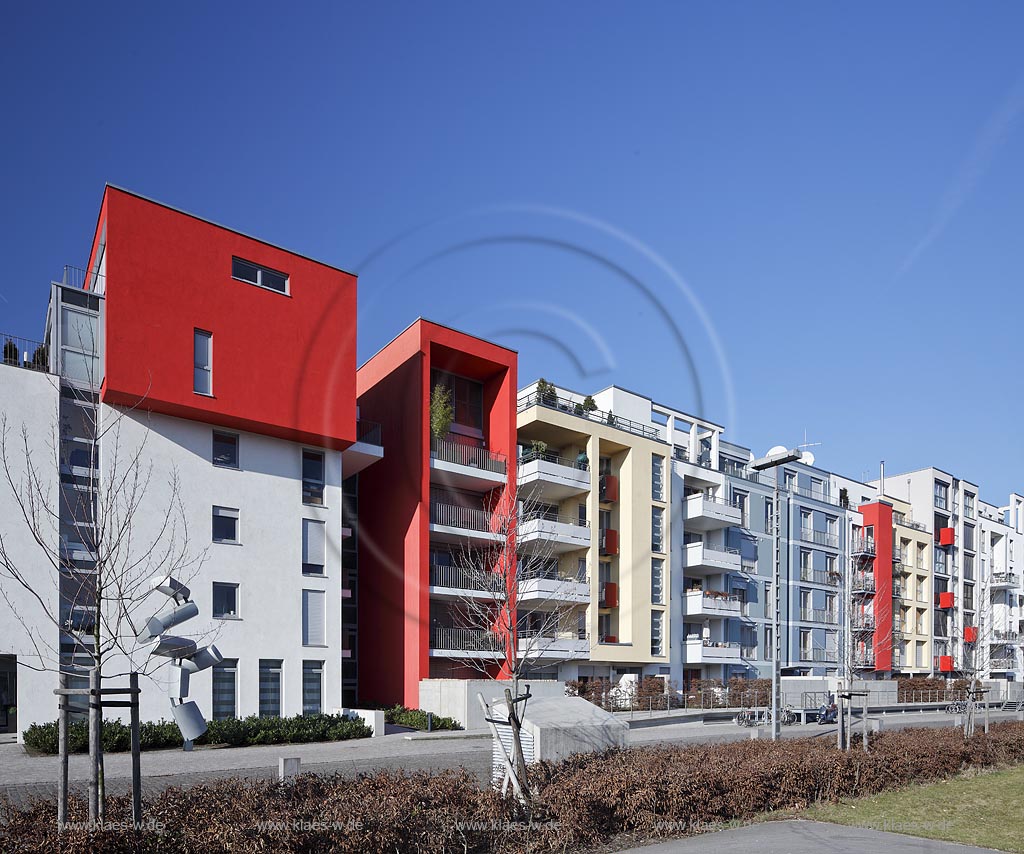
(23, 776)
(805, 837)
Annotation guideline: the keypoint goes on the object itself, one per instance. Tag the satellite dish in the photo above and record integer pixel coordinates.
(776, 449)
(807, 458)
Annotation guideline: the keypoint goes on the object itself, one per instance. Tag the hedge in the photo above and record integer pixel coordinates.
(237, 732)
(586, 801)
(417, 719)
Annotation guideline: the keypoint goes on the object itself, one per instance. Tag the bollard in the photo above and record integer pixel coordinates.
(755, 733)
(288, 768)
(430, 721)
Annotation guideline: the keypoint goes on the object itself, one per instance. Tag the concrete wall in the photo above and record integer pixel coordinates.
(457, 698)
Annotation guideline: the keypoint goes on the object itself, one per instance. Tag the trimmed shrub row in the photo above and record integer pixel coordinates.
(588, 800)
(237, 732)
(417, 719)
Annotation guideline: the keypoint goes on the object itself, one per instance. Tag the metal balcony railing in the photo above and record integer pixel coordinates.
(815, 654)
(906, 522)
(561, 518)
(819, 615)
(748, 652)
(862, 583)
(460, 578)
(1005, 636)
(470, 518)
(816, 495)
(862, 545)
(552, 400)
(897, 589)
(864, 659)
(1001, 664)
(446, 637)
(821, 538)
(1004, 578)
(20, 352)
(468, 455)
(530, 456)
(821, 576)
(368, 432)
(551, 635)
(863, 622)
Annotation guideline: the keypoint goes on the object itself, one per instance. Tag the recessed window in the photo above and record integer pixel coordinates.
(262, 277)
(312, 687)
(202, 352)
(313, 477)
(225, 525)
(225, 601)
(314, 547)
(225, 449)
(270, 687)
(314, 618)
(225, 689)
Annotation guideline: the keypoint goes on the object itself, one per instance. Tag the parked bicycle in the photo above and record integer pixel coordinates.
(957, 708)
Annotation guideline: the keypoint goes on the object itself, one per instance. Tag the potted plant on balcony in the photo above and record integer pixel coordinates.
(441, 414)
(546, 392)
(537, 450)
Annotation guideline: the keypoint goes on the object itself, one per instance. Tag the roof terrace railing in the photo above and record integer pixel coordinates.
(552, 400)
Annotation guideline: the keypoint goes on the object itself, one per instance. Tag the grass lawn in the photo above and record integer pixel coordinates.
(981, 809)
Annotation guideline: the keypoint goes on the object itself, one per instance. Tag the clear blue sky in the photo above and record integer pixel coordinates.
(840, 187)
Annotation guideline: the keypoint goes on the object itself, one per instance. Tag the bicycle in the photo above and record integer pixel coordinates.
(746, 717)
(787, 716)
(959, 707)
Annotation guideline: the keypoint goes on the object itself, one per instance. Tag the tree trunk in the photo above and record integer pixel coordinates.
(517, 742)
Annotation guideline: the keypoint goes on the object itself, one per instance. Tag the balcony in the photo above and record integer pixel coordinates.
(863, 583)
(1001, 636)
(1003, 581)
(558, 533)
(862, 546)
(367, 449)
(821, 576)
(609, 542)
(899, 555)
(24, 353)
(863, 622)
(552, 478)
(700, 651)
(451, 523)
(819, 615)
(897, 588)
(558, 403)
(697, 472)
(461, 466)
(707, 513)
(608, 595)
(538, 590)
(702, 559)
(1001, 664)
(549, 644)
(820, 538)
(711, 603)
(456, 582)
(864, 658)
(451, 642)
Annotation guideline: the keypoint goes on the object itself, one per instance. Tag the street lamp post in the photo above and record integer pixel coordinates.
(776, 457)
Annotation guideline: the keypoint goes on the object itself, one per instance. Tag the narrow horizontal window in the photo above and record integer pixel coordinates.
(254, 274)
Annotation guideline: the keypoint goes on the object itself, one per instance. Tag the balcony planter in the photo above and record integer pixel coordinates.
(945, 600)
(971, 634)
(947, 536)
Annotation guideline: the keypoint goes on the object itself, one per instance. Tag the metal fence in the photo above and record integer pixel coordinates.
(472, 456)
(21, 352)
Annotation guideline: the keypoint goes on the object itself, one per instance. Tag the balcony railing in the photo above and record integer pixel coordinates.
(864, 659)
(748, 652)
(453, 516)
(460, 578)
(572, 407)
(831, 578)
(816, 654)
(816, 495)
(531, 456)
(24, 353)
(468, 455)
(906, 522)
(818, 615)
(368, 432)
(1005, 636)
(1004, 579)
(863, 622)
(1001, 664)
(862, 583)
(862, 545)
(821, 538)
(561, 518)
(897, 589)
(445, 637)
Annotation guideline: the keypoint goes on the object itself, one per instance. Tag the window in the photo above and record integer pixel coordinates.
(581, 514)
(312, 687)
(314, 546)
(941, 495)
(968, 567)
(225, 525)
(769, 516)
(805, 644)
(225, 601)
(769, 644)
(270, 687)
(581, 569)
(225, 689)
(830, 568)
(657, 477)
(262, 277)
(657, 632)
(313, 477)
(657, 581)
(225, 449)
(969, 537)
(739, 501)
(806, 523)
(969, 505)
(202, 374)
(657, 529)
(789, 480)
(314, 618)
(467, 401)
(806, 562)
(968, 597)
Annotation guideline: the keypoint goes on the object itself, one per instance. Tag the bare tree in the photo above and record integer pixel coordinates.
(98, 539)
(524, 606)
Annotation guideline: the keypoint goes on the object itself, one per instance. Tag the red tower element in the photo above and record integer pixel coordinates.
(878, 515)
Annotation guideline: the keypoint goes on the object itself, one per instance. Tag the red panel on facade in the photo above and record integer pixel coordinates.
(947, 536)
(946, 600)
(609, 541)
(945, 664)
(609, 594)
(283, 364)
(970, 634)
(609, 487)
(878, 516)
